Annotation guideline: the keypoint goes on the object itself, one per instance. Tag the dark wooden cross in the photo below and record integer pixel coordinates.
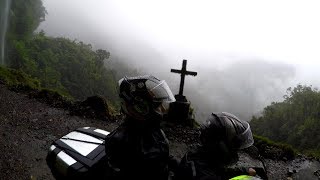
(183, 73)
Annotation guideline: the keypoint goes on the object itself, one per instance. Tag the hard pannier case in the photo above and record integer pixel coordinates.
(78, 155)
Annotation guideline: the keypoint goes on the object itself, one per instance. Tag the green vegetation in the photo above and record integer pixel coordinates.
(274, 150)
(24, 18)
(16, 78)
(68, 67)
(295, 121)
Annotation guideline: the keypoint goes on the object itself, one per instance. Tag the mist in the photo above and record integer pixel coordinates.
(234, 80)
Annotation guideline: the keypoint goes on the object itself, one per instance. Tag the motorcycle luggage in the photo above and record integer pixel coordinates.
(78, 155)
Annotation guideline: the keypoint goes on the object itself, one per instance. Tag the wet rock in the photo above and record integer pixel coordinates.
(95, 107)
(291, 171)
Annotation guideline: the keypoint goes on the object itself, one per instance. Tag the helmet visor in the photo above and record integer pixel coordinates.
(246, 137)
(160, 91)
(239, 128)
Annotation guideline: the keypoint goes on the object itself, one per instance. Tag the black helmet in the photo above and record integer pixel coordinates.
(225, 128)
(144, 96)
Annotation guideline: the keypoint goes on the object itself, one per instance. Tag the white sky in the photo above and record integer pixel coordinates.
(285, 30)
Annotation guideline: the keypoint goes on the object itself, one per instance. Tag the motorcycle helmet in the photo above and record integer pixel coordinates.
(225, 130)
(144, 96)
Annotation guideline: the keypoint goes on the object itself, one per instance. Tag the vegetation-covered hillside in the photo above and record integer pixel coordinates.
(66, 66)
(69, 67)
(295, 121)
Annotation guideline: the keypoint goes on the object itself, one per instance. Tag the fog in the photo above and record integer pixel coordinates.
(246, 54)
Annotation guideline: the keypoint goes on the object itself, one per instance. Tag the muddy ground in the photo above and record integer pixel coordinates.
(28, 127)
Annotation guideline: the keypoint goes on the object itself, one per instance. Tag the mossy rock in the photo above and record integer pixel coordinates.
(274, 150)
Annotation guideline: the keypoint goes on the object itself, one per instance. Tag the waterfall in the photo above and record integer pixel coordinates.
(4, 15)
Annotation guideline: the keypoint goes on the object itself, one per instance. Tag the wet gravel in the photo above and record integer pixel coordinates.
(27, 128)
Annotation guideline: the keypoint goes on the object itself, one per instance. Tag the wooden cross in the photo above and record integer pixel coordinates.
(183, 73)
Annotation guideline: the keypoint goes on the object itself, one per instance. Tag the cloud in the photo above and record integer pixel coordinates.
(235, 58)
(242, 88)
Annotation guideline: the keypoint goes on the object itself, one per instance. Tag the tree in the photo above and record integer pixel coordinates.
(296, 120)
(25, 17)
